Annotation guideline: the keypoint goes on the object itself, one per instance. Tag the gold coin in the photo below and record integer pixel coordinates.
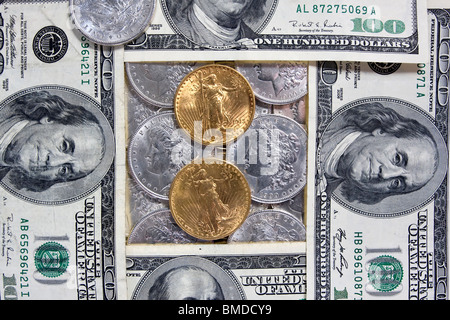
(214, 104)
(209, 200)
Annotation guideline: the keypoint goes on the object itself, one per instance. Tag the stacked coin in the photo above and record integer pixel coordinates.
(215, 104)
(210, 199)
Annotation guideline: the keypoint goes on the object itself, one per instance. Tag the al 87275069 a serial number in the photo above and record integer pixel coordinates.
(336, 9)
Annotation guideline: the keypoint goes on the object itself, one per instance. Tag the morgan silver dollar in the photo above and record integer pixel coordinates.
(276, 83)
(157, 151)
(159, 227)
(272, 155)
(270, 225)
(157, 83)
(112, 22)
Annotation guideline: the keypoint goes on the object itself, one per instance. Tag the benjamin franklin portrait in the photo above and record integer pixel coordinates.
(381, 156)
(55, 144)
(187, 278)
(218, 23)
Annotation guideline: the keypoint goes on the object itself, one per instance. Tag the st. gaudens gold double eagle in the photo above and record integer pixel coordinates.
(215, 104)
(209, 201)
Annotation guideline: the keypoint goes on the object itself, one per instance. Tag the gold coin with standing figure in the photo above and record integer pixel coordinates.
(215, 104)
(209, 200)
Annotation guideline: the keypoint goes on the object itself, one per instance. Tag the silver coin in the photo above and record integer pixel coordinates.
(262, 108)
(272, 156)
(269, 225)
(276, 83)
(112, 22)
(157, 152)
(141, 203)
(157, 82)
(295, 110)
(159, 227)
(138, 110)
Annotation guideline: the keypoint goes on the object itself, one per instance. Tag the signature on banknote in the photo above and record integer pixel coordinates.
(338, 249)
(311, 26)
(7, 239)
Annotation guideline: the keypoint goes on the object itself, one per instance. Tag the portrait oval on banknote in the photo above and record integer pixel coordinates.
(56, 145)
(157, 82)
(225, 24)
(157, 152)
(276, 83)
(188, 278)
(112, 22)
(272, 156)
(381, 157)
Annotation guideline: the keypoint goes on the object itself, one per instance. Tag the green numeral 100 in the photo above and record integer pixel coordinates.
(375, 26)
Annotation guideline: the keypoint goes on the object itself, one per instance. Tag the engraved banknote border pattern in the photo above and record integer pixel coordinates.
(225, 262)
(110, 271)
(323, 226)
(441, 196)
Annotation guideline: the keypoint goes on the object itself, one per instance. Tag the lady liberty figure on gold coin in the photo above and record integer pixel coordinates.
(215, 211)
(214, 96)
(210, 200)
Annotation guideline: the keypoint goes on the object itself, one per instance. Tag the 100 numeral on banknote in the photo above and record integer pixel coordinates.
(59, 228)
(379, 178)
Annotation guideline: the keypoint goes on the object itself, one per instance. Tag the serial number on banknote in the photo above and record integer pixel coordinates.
(359, 25)
(336, 8)
(85, 57)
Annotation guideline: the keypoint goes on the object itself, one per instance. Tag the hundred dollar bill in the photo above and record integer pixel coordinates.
(62, 230)
(362, 30)
(378, 176)
(217, 272)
